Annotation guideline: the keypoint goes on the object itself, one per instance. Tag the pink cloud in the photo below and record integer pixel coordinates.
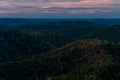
(4, 4)
(37, 6)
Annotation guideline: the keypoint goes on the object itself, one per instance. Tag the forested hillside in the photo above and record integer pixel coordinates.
(60, 50)
(81, 60)
(77, 30)
(16, 44)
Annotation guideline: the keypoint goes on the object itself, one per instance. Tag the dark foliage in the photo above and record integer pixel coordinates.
(49, 51)
(85, 60)
(79, 30)
(16, 44)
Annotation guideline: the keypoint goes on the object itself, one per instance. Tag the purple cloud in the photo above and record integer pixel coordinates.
(73, 8)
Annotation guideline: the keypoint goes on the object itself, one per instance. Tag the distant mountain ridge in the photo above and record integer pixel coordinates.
(22, 21)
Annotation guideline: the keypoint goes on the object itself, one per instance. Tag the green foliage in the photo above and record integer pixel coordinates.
(84, 59)
(16, 44)
(79, 30)
(38, 52)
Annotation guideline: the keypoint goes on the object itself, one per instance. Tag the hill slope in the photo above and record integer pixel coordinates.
(81, 60)
(105, 33)
(16, 44)
(79, 30)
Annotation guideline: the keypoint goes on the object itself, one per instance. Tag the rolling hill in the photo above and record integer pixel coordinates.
(60, 50)
(81, 60)
(78, 30)
(16, 44)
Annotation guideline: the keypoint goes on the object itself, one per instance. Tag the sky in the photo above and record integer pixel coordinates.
(60, 8)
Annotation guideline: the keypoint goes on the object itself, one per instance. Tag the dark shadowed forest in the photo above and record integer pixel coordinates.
(59, 49)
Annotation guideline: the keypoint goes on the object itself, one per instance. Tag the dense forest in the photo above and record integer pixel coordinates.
(16, 44)
(61, 50)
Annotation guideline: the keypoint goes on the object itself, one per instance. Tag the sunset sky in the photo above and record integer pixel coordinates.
(60, 8)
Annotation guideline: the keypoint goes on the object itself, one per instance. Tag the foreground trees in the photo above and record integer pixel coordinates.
(86, 59)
